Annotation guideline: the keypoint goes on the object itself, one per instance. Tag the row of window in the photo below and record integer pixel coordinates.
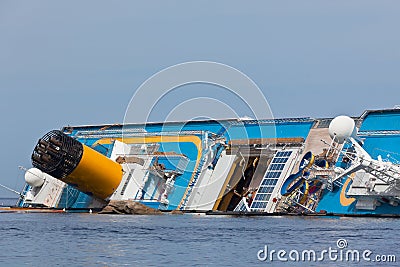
(283, 154)
(270, 180)
(240, 207)
(276, 167)
(280, 160)
(272, 174)
(269, 183)
(262, 197)
(259, 205)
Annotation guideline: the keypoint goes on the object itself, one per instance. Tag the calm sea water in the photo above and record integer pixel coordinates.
(184, 240)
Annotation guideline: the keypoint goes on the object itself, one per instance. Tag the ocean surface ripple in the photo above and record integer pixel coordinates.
(184, 240)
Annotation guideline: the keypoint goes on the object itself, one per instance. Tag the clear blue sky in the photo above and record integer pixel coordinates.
(79, 62)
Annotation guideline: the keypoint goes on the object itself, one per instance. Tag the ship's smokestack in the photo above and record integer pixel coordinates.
(68, 160)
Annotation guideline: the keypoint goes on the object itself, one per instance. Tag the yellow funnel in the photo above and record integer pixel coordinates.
(78, 165)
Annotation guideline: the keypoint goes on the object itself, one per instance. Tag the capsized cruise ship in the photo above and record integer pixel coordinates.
(336, 165)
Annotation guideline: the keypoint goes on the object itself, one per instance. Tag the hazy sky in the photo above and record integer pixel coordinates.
(79, 62)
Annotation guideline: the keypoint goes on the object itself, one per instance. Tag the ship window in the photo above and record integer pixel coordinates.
(282, 154)
(270, 180)
(266, 189)
(276, 166)
(280, 160)
(279, 154)
(259, 205)
(262, 189)
(241, 207)
(262, 197)
(272, 174)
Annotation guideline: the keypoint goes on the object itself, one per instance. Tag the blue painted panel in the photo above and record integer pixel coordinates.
(389, 120)
(271, 131)
(181, 183)
(83, 201)
(330, 202)
(293, 130)
(383, 145)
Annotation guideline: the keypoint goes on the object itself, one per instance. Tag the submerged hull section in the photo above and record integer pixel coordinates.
(261, 166)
